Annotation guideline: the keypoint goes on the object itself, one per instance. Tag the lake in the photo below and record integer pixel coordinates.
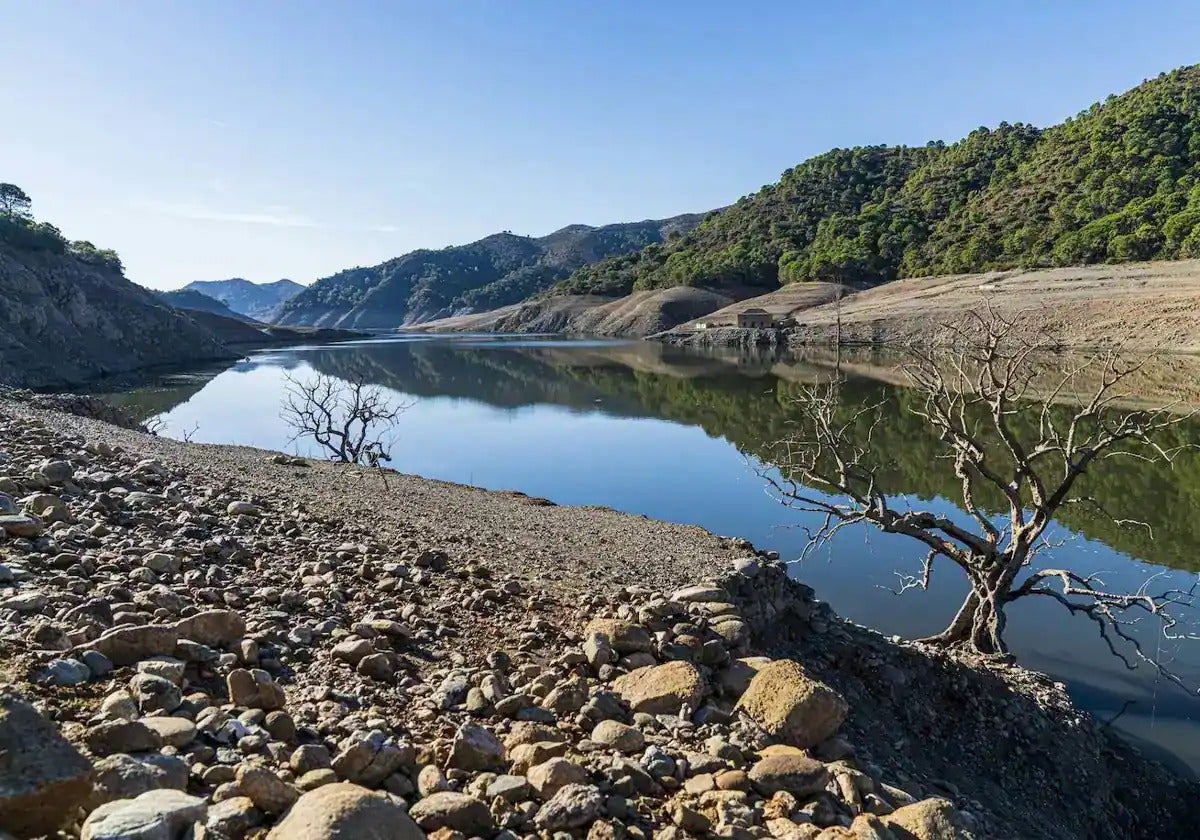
(678, 435)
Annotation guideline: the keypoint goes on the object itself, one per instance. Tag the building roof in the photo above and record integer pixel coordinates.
(753, 310)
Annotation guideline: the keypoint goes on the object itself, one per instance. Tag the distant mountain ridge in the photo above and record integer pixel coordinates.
(199, 302)
(259, 301)
(495, 271)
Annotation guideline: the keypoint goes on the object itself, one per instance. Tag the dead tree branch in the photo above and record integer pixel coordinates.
(350, 420)
(1008, 434)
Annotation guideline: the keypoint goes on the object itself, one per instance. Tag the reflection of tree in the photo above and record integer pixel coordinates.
(744, 398)
(753, 413)
(506, 378)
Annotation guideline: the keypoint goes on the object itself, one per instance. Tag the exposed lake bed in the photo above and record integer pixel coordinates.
(680, 436)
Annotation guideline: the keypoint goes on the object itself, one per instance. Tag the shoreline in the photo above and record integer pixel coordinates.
(1005, 744)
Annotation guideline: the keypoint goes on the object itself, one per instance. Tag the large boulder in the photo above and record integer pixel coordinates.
(794, 773)
(623, 636)
(455, 811)
(130, 645)
(269, 793)
(19, 525)
(254, 688)
(662, 689)
(573, 806)
(789, 704)
(43, 779)
(215, 628)
(475, 748)
(157, 815)
(342, 811)
(929, 819)
(124, 776)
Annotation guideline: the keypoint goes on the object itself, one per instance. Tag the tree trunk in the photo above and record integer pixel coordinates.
(979, 623)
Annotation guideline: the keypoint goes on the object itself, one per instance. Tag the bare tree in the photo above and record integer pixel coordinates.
(981, 393)
(350, 420)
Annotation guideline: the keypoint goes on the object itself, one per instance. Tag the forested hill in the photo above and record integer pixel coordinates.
(1119, 182)
(495, 271)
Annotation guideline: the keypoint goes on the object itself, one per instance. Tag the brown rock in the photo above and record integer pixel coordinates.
(232, 818)
(43, 779)
(735, 678)
(475, 748)
(929, 819)
(869, 827)
(269, 793)
(789, 704)
(623, 636)
(452, 810)
(796, 774)
(620, 736)
(661, 689)
(531, 732)
(342, 811)
(549, 776)
(121, 736)
(254, 689)
(130, 645)
(524, 756)
(215, 628)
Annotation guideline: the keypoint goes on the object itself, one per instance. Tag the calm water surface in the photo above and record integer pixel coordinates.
(677, 435)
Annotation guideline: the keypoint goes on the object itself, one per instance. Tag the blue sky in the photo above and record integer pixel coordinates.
(270, 139)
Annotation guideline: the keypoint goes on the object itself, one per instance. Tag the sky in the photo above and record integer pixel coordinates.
(293, 139)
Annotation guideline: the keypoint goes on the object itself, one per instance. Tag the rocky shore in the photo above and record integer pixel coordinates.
(220, 642)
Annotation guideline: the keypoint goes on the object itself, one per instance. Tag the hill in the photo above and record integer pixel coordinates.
(1150, 306)
(636, 315)
(1119, 182)
(198, 302)
(260, 301)
(495, 271)
(70, 315)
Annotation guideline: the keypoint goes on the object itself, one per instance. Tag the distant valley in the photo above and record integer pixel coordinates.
(260, 301)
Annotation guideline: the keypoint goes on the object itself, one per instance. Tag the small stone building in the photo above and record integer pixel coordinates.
(755, 319)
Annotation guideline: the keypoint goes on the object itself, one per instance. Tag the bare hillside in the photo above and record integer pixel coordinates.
(635, 315)
(1153, 305)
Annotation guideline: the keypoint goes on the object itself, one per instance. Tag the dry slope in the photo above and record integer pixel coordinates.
(1153, 305)
(636, 315)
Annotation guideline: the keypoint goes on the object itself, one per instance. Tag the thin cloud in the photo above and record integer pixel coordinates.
(275, 216)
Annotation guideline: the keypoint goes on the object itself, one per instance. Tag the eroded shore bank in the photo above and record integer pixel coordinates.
(252, 629)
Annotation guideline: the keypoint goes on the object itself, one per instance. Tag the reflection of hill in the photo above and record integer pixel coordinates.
(753, 413)
(742, 396)
(506, 378)
(156, 395)
(748, 401)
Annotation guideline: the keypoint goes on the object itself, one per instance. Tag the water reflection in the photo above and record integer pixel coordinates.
(678, 435)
